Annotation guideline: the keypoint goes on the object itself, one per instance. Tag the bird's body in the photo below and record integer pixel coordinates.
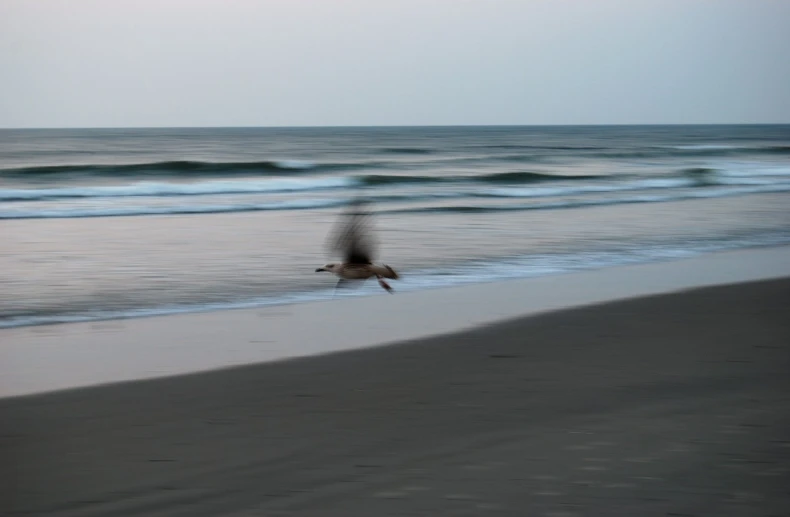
(360, 271)
(357, 246)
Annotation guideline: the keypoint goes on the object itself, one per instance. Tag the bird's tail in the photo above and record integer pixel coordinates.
(386, 272)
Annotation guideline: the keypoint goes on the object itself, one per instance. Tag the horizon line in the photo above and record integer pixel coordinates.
(390, 126)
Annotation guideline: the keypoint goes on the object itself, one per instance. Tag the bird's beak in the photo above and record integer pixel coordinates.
(320, 269)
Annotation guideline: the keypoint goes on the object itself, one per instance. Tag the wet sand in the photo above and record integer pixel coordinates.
(676, 404)
(39, 359)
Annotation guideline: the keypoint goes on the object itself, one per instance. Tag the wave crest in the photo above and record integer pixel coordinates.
(187, 168)
(161, 189)
(516, 177)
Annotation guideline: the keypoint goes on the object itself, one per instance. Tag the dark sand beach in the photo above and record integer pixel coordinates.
(676, 404)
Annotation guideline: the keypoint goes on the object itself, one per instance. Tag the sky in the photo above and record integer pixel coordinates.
(180, 63)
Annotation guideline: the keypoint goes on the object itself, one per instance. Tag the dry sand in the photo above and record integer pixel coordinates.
(677, 404)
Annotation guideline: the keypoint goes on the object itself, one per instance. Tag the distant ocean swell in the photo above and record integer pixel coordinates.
(180, 167)
(228, 168)
(498, 177)
(540, 154)
(680, 151)
(690, 151)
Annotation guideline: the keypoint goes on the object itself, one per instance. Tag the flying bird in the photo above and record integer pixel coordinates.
(353, 239)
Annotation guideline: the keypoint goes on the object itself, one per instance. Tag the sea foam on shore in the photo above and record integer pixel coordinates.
(55, 357)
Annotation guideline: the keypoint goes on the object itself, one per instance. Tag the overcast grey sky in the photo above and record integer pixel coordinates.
(116, 63)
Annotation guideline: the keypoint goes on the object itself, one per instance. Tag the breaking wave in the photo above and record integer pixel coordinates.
(80, 211)
(270, 185)
(162, 189)
(570, 204)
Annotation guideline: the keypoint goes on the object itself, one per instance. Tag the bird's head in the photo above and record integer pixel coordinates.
(328, 267)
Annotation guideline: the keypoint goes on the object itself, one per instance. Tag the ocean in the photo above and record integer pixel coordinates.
(116, 223)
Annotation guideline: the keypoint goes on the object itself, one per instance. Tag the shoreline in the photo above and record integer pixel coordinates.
(671, 404)
(75, 355)
(504, 269)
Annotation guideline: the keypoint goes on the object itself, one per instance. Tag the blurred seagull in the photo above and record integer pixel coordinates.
(353, 239)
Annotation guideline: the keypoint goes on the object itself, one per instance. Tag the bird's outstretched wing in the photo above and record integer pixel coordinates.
(353, 236)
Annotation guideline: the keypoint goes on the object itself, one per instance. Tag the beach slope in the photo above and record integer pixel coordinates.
(676, 404)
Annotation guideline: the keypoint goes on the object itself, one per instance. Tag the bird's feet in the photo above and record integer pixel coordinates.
(386, 286)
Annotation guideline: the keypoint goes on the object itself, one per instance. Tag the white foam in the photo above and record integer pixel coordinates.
(643, 184)
(750, 170)
(150, 189)
(104, 211)
(294, 164)
(703, 147)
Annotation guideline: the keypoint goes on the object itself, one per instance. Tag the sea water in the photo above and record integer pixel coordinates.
(112, 223)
